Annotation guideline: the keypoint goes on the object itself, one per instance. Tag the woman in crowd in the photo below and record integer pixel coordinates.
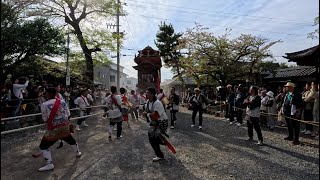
(272, 110)
(253, 103)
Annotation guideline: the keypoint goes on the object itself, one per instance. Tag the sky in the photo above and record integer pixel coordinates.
(286, 20)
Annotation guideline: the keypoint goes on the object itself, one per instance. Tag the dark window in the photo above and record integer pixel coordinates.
(112, 78)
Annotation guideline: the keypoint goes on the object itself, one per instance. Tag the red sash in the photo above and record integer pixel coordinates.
(114, 101)
(168, 144)
(154, 116)
(53, 113)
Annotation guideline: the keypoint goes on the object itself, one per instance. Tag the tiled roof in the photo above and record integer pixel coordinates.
(303, 53)
(297, 71)
(187, 81)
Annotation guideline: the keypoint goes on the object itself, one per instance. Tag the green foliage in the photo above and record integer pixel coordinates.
(168, 42)
(43, 69)
(315, 33)
(86, 20)
(21, 40)
(220, 59)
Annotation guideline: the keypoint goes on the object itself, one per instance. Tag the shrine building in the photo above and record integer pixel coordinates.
(149, 68)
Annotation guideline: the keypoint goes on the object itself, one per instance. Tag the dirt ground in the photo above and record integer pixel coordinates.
(219, 151)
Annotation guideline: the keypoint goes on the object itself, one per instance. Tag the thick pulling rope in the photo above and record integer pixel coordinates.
(271, 114)
(39, 125)
(276, 115)
(38, 114)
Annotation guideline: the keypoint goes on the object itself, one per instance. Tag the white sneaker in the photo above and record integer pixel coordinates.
(308, 132)
(303, 131)
(172, 127)
(260, 143)
(47, 167)
(192, 125)
(156, 159)
(115, 129)
(231, 123)
(78, 154)
(200, 127)
(238, 124)
(84, 123)
(77, 128)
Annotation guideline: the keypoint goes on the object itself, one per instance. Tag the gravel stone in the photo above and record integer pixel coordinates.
(219, 151)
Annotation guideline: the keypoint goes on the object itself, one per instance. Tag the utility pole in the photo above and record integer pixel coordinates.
(118, 33)
(118, 45)
(67, 63)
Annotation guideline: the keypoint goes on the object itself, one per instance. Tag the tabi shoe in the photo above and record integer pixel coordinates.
(76, 148)
(47, 156)
(47, 167)
(156, 159)
(77, 128)
(303, 131)
(200, 127)
(308, 132)
(260, 143)
(84, 124)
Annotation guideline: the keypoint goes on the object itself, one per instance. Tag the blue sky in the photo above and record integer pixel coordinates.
(287, 20)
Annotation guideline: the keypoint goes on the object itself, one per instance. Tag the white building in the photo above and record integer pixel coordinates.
(131, 84)
(107, 75)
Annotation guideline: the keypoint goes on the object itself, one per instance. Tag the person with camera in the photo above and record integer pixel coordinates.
(253, 103)
(18, 88)
(159, 122)
(173, 106)
(56, 113)
(113, 103)
(197, 103)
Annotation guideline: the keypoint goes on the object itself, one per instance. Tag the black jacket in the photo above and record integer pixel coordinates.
(174, 98)
(256, 102)
(238, 100)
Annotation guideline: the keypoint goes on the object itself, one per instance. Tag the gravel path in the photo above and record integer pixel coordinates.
(219, 151)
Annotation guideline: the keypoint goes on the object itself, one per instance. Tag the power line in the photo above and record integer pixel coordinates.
(218, 12)
(132, 41)
(289, 34)
(255, 20)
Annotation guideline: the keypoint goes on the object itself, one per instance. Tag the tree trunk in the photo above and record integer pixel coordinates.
(87, 54)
